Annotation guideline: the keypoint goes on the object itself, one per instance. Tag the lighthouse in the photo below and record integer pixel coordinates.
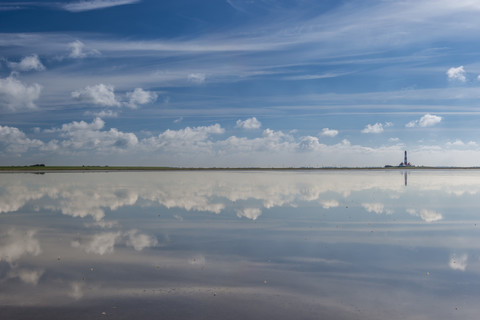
(405, 162)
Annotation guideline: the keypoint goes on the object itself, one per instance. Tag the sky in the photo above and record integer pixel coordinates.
(239, 83)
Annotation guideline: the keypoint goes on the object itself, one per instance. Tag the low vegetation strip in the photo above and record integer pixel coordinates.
(43, 168)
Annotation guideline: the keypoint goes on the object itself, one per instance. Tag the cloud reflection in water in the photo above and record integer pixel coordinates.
(333, 243)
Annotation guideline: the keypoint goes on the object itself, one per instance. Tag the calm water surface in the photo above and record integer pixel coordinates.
(240, 245)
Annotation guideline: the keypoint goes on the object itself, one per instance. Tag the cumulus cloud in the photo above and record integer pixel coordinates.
(29, 63)
(15, 141)
(100, 244)
(197, 260)
(76, 290)
(329, 132)
(96, 124)
(17, 96)
(373, 128)
(460, 143)
(188, 139)
(458, 262)
(100, 94)
(327, 204)
(140, 96)
(249, 213)
(251, 123)
(14, 244)
(26, 276)
(376, 207)
(140, 241)
(88, 5)
(197, 77)
(426, 214)
(427, 120)
(457, 74)
(80, 136)
(308, 143)
(78, 50)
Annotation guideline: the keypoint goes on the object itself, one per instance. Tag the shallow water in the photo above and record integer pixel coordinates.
(240, 245)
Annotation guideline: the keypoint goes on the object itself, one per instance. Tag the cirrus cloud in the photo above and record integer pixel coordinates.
(78, 50)
(81, 6)
(197, 77)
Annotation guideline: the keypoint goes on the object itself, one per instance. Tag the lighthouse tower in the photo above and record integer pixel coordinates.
(405, 162)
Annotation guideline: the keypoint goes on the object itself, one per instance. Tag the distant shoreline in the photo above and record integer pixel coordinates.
(40, 169)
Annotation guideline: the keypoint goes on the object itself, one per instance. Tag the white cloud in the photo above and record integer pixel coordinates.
(88, 5)
(198, 260)
(457, 74)
(74, 126)
(16, 96)
(76, 291)
(249, 213)
(15, 141)
(314, 76)
(99, 94)
(373, 128)
(184, 140)
(28, 63)
(140, 241)
(327, 204)
(329, 132)
(26, 276)
(458, 262)
(197, 77)
(80, 136)
(251, 123)
(140, 96)
(100, 244)
(374, 207)
(456, 143)
(14, 244)
(426, 215)
(78, 50)
(459, 143)
(102, 114)
(308, 143)
(427, 120)
(394, 139)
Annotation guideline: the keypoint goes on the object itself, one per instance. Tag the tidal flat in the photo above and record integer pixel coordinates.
(240, 244)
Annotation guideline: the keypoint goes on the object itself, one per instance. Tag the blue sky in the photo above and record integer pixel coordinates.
(239, 83)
